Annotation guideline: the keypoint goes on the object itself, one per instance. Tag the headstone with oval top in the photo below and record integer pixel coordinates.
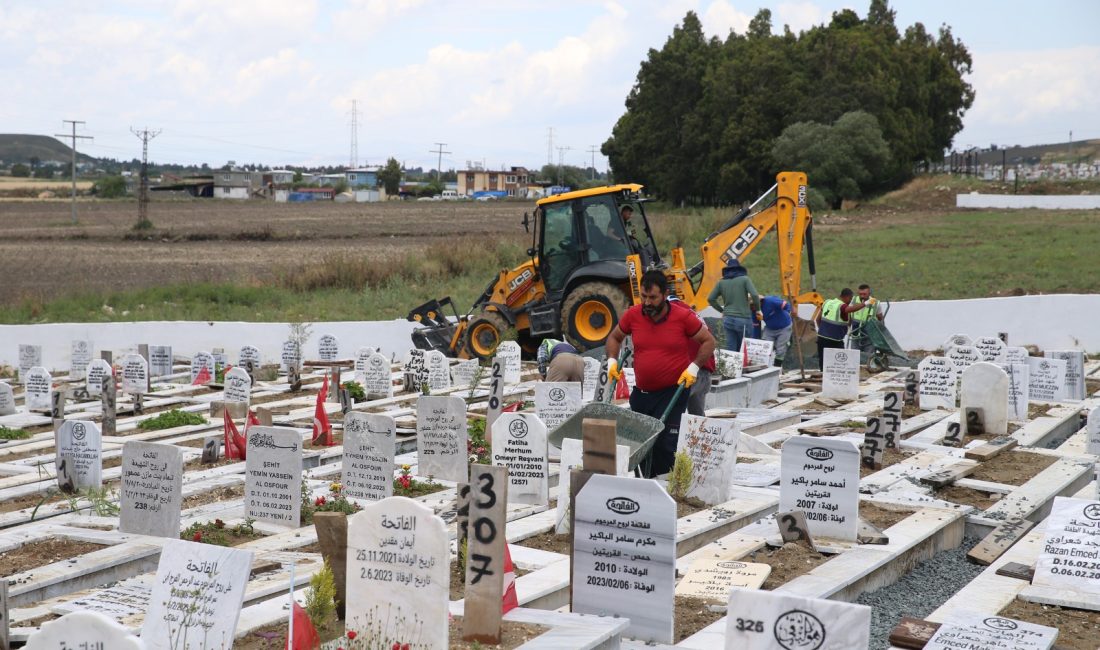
(711, 443)
(38, 385)
(98, 370)
(80, 630)
(415, 371)
(439, 371)
(249, 353)
(820, 477)
(509, 354)
(79, 442)
(1046, 379)
(556, 401)
(765, 620)
(273, 476)
(956, 340)
(160, 360)
(464, 373)
(590, 379)
(291, 357)
(30, 356)
(963, 356)
(377, 380)
(985, 387)
(441, 437)
(758, 351)
(938, 381)
(202, 360)
(1016, 355)
(237, 386)
(1071, 547)
(369, 447)
(152, 489)
(7, 399)
(135, 374)
(362, 355)
(328, 348)
(80, 355)
(519, 443)
(1075, 372)
(840, 374)
(991, 349)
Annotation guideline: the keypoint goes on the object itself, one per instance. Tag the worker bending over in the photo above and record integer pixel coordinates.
(559, 361)
(662, 335)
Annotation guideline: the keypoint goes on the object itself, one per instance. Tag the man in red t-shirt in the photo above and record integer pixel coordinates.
(697, 396)
(663, 338)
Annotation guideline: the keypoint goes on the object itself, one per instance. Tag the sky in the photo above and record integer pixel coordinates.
(272, 81)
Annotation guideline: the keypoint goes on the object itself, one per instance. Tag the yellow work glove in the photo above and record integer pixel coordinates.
(760, 316)
(614, 372)
(872, 302)
(687, 377)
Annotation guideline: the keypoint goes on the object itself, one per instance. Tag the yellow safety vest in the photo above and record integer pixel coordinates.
(831, 325)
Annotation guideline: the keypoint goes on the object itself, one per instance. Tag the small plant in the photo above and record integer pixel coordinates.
(13, 434)
(334, 501)
(143, 225)
(219, 373)
(679, 479)
(479, 374)
(321, 599)
(355, 391)
(406, 486)
(476, 445)
(463, 552)
(217, 533)
(171, 419)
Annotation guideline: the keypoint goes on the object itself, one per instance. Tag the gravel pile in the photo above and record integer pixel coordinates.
(920, 592)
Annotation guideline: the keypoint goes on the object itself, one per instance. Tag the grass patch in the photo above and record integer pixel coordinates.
(7, 433)
(171, 419)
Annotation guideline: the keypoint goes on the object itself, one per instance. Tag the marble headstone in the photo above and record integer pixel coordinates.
(820, 477)
(572, 457)
(1092, 442)
(711, 443)
(7, 399)
(519, 443)
(509, 354)
(1017, 391)
(38, 386)
(711, 578)
(328, 348)
(991, 349)
(249, 353)
(464, 372)
(1071, 547)
(80, 355)
(956, 340)
(974, 631)
(439, 371)
(200, 360)
(441, 437)
(81, 443)
(1016, 355)
(556, 402)
(98, 370)
(771, 620)
(237, 386)
(135, 374)
(273, 476)
(985, 386)
(369, 447)
(963, 356)
(377, 380)
(729, 363)
(840, 377)
(398, 574)
(590, 379)
(938, 383)
(1046, 379)
(80, 630)
(1075, 371)
(624, 554)
(152, 489)
(415, 373)
(291, 356)
(197, 595)
(160, 360)
(30, 356)
(759, 352)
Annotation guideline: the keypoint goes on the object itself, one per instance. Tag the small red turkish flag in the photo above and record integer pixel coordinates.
(511, 601)
(235, 444)
(305, 635)
(203, 378)
(322, 429)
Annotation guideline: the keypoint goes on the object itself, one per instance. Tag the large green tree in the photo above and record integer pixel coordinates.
(390, 177)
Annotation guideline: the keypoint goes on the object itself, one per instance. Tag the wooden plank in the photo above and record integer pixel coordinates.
(874, 443)
(992, 448)
(598, 446)
(336, 363)
(5, 641)
(496, 398)
(870, 534)
(332, 535)
(1000, 540)
(793, 528)
(1016, 570)
(263, 415)
(481, 616)
(912, 632)
(578, 478)
(946, 477)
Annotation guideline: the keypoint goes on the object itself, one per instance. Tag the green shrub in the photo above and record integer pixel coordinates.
(171, 419)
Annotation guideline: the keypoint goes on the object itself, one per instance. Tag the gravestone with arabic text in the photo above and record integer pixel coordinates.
(80, 355)
(519, 443)
(820, 477)
(711, 443)
(273, 476)
(369, 447)
(152, 489)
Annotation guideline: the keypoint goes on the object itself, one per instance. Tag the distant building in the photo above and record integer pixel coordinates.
(279, 177)
(312, 194)
(362, 177)
(236, 184)
(513, 181)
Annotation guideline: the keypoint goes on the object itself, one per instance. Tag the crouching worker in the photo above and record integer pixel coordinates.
(559, 361)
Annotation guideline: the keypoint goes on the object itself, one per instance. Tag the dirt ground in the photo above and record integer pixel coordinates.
(1078, 629)
(787, 562)
(879, 517)
(1012, 467)
(692, 615)
(38, 554)
(965, 496)
(218, 240)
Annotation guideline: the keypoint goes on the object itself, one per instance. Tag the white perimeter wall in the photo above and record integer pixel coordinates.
(1052, 322)
(1010, 201)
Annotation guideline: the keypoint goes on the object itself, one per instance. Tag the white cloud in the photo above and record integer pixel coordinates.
(721, 18)
(1017, 87)
(800, 16)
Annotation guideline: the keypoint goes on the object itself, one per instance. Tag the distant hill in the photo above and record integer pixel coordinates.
(1078, 151)
(20, 148)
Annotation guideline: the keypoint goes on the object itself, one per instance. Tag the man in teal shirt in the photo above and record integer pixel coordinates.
(735, 297)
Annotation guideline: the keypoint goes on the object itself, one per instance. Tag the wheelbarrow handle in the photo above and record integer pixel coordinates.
(672, 402)
(610, 396)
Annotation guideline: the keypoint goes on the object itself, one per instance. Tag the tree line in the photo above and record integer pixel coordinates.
(854, 103)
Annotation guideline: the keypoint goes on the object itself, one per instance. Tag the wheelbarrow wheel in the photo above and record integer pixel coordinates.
(877, 362)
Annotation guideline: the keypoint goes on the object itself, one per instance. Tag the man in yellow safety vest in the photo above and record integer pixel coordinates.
(864, 310)
(832, 323)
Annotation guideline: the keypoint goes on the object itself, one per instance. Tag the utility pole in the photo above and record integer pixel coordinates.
(550, 146)
(72, 170)
(439, 165)
(143, 196)
(354, 158)
(561, 158)
(592, 150)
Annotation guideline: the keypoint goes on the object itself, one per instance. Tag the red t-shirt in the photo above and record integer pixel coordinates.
(693, 345)
(661, 350)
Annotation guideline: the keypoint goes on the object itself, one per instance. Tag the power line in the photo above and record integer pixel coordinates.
(439, 165)
(143, 197)
(72, 170)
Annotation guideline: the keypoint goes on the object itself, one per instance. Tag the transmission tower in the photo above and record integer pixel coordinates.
(143, 197)
(354, 159)
(439, 165)
(561, 159)
(550, 145)
(72, 170)
(592, 150)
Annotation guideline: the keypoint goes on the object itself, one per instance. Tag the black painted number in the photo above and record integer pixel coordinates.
(891, 401)
(793, 528)
(487, 490)
(749, 625)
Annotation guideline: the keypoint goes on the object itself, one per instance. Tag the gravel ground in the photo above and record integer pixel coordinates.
(920, 592)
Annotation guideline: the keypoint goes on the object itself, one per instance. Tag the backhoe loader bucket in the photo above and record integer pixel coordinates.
(635, 430)
(436, 331)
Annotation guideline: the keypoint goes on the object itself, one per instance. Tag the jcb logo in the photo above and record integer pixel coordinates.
(632, 269)
(741, 243)
(801, 196)
(519, 279)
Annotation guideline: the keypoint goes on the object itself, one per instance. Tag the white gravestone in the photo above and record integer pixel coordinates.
(377, 380)
(766, 620)
(956, 340)
(509, 354)
(369, 447)
(840, 377)
(81, 443)
(938, 383)
(729, 364)
(122, 600)
(1075, 371)
(1070, 559)
(991, 349)
(362, 356)
(291, 356)
(759, 352)
(237, 386)
(38, 386)
(29, 357)
(441, 437)
(1092, 442)
(200, 360)
(328, 348)
(7, 399)
(973, 631)
(249, 353)
(1016, 355)
(624, 554)
(160, 360)
(152, 489)
(755, 474)
(519, 443)
(1017, 391)
(963, 356)
(1046, 379)
(415, 371)
(711, 578)
(221, 359)
(197, 596)
(557, 401)
(98, 370)
(80, 355)
(711, 443)
(985, 386)
(83, 630)
(273, 481)
(464, 373)
(135, 374)
(590, 378)
(572, 457)
(439, 371)
(820, 477)
(398, 575)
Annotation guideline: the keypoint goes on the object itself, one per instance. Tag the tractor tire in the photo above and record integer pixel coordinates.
(484, 335)
(590, 312)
